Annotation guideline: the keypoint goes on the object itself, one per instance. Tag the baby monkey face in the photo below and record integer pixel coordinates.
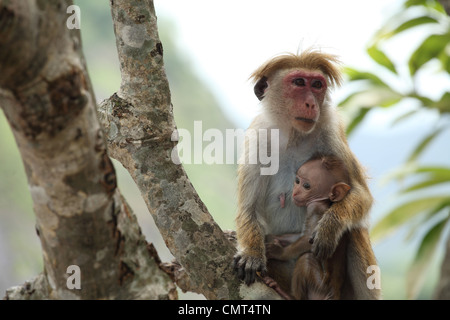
(313, 182)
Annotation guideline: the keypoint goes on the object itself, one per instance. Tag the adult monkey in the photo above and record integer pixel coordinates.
(294, 90)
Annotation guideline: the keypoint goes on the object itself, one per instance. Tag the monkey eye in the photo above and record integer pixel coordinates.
(299, 82)
(306, 185)
(317, 84)
(297, 180)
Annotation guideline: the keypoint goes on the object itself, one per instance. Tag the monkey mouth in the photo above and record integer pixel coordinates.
(305, 119)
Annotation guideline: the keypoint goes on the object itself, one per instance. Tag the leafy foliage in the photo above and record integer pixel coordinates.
(432, 210)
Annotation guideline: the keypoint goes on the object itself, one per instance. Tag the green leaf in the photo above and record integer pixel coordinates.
(424, 143)
(427, 4)
(411, 168)
(413, 23)
(411, 3)
(445, 61)
(428, 183)
(443, 105)
(355, 75)
(430, 48)
(387, 32)
(373, 97)
(403, 213)
(401, 173)
(393, 99)
(437, 171)
(403, 117)
(424, 257)
(434, 176)
(346, 100)
(381, 58)
(426, 102)
(357, 119)
(412, 234)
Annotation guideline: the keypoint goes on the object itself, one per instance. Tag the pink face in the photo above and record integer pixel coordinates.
(306, 89)
(312, 182)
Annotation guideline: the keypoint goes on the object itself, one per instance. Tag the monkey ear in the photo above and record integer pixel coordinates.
(260, 86)
(339, 191)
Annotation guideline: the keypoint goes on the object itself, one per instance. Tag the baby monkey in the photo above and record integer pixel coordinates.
(319, 183)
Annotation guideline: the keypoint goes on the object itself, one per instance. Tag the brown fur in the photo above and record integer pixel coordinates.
(312, 279)
(309, 60)
(259, 212)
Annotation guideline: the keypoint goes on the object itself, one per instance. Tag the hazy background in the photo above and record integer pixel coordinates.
(210, 49)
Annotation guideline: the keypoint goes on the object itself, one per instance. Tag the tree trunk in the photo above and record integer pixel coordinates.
(81, 218)
(446, 5)
(442, 291)
(443, 287)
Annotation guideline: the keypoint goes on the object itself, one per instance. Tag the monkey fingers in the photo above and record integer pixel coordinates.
(271, 283)
(323, 247)
(283, 239)
(247, 267)
(274, 250)
(322, 252)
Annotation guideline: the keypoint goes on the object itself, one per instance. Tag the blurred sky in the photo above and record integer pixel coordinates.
(228, 40)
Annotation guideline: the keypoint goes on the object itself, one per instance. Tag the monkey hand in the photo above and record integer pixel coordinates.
(283, 239)
(322, 247)
(247, 266)
(274, 250)
(324, 239)
(274, 285)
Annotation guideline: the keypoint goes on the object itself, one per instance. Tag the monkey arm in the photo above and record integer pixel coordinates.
(275, 250)
(250, 233)
(251, 255)
(284, 239)
(341, 216)
(274, 285)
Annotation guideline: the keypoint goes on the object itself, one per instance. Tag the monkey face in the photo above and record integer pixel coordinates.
(305, 92)
(312, 183)
(293, 97)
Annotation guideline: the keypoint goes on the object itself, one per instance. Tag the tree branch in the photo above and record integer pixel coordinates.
(442, 290)
(139, 124)
(446, 5)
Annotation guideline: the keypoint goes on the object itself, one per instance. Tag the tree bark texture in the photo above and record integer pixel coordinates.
(442, 291)
(139, 126)
(81, 218)
(446, 5)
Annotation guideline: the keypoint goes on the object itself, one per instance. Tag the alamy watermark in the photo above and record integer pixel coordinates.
(74, 21)
(374, 279)
(74, 280)
(212, 146)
